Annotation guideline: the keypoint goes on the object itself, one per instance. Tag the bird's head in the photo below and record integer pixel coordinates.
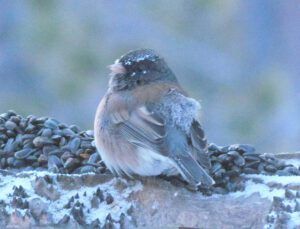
(137, 68)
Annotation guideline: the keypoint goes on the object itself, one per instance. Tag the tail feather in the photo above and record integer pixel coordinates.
(192, 171)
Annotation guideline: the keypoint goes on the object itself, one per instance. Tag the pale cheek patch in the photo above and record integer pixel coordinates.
(117, 68)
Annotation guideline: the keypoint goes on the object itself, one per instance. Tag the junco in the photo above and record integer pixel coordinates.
(146, 124)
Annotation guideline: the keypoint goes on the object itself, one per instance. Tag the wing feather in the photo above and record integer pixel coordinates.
(142, 128)
(199, 145)
(147, 128)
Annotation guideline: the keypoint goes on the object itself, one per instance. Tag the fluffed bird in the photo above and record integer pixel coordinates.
(147, 125)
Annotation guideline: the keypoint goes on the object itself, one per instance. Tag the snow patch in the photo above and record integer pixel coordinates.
(294, 220)
(284, 180)
(252, 186)
(262, 189)
(56, 208)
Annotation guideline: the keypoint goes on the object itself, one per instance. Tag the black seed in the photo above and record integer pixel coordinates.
(251, 158)
(95, 224)
(18, 163)
(20, 192)
(216, 167)
(249, 171)
(100, 195)
(292, 170)
(122, 221)
(95, 202)
(22, 154)
(56, 137)
(270, 168)
(219, 173)
(224, 158)
(46, 132)
(10, 125)
(297, 206)
(10, 161)
(51, 123)
(11, 145)
(74, 128)
(64, 220)
(109, 222)
(30, 128)
(213, 147)
(239, 161)
(54, 161)
(234, 154)
(252, 164)
(71, 163)
(270, 219)
(68, 133)
(109, 199)
(87, 169)
(42, 141)
(283, 217)
(289, 194)
(219, 190)
(278, 203)
(77, 213)
(232, 173)
(10, 133)
(243, 148)
(74, 144)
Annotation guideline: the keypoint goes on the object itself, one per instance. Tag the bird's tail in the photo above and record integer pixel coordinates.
(192, 171)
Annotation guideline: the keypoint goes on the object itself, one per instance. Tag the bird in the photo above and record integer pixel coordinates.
(147, 125)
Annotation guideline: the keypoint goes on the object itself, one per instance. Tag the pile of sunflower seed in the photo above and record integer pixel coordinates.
(45, 143)
(229, 162)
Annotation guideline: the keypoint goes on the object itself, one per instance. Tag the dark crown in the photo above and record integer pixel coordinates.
(136, 56)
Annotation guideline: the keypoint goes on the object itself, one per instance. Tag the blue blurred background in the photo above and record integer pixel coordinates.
(241, 59)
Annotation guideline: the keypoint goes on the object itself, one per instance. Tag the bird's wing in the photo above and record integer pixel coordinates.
(147, 128)
(141, 127)
(199, 145)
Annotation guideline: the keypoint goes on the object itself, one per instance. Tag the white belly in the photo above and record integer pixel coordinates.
(149, 164)
(153, 164)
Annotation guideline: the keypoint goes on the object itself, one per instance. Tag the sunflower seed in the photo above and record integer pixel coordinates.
(10, 125)
(41, 141)
(51, 123)
(239, 161)
(22, 154)
(71, 163)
